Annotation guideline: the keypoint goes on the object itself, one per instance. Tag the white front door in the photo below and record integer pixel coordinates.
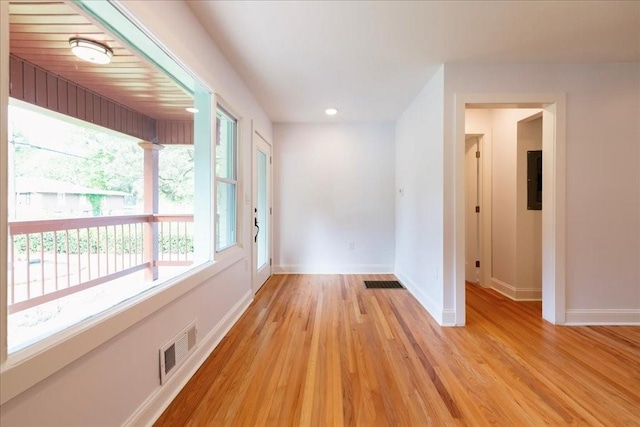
(262, 211)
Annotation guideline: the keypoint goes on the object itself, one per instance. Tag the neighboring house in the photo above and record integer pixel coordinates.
(46, 198)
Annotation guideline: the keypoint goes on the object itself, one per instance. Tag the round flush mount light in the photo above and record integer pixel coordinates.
(192, 110)
(331, 111)
(90, 51)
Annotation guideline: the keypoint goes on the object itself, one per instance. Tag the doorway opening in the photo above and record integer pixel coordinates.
(552, 229)
(513, 230)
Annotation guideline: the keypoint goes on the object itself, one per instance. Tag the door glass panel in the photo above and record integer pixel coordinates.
(262, 214)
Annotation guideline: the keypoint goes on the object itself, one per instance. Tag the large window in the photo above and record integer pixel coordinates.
(109, 184)
(226, 180)
(100, 256)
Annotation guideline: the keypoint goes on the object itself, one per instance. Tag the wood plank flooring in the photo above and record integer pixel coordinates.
(325, 351)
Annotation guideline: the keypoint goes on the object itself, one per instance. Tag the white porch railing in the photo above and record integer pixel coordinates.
(50, 259)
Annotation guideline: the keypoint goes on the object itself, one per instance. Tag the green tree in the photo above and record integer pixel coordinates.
(176, 174)
(99, 160)
(96, 203)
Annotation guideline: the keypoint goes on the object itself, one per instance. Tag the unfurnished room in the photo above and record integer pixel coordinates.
(328, 213)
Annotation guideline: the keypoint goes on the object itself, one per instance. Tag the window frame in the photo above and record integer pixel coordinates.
(226, 110)
(25, 368)
(4, 177)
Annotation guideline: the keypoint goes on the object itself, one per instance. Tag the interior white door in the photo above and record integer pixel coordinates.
(472, 214)
(262, 211)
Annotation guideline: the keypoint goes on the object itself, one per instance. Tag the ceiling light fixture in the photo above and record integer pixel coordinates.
(90, 51)
(331, 111)
(192, 110)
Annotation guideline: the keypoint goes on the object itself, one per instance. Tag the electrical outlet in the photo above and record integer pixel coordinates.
(352, 246)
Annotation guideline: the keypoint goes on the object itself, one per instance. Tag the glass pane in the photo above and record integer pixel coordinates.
(79, 211)
(176, 180)
(67, 170)
(225, 150)
(262, 214)
(226, 215)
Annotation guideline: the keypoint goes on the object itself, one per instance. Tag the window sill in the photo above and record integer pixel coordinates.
(31, 365)
(227, 251)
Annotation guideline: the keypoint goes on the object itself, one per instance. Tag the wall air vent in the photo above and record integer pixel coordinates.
(176, 351)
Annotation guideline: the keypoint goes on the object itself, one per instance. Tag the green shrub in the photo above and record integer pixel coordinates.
(84, 242)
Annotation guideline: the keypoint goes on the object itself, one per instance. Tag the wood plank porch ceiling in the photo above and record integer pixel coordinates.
(40, 33)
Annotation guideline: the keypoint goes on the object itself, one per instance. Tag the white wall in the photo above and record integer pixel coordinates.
(528, 222)
(419, 209)
(603, 176)
(108, 385)
(334, 198)
(504, 191)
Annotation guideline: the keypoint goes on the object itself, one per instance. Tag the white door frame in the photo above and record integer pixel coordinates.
(486, 248)
(256, 136)
(553, 198)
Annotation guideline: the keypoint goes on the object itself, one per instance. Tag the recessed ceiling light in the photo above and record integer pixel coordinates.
(192, 110)
(331, 111)
(90, 51)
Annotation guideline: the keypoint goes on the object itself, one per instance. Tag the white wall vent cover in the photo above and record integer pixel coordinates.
(176, 351)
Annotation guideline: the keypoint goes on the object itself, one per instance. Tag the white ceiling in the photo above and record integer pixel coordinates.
(369, 59)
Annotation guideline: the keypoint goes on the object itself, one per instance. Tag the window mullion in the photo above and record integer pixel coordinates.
(4, 105)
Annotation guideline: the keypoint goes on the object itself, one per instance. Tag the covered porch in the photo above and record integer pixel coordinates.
(51, 260)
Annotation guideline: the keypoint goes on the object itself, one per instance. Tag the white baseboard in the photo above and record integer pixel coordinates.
(578, 317)
(334, 269)
(528, 294)
(516, 294)
(448, 317)
(443, 317)
(159, 400)
(504, 288)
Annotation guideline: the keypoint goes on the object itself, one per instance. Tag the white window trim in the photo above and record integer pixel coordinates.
(221, 103)
(4, 175)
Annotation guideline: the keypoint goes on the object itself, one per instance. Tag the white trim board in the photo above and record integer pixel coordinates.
(444, 317)
(334, 269)
(4, 170)
(159, 400)
(516, 294)
(554, 197)
(578, 317)
(448, 317)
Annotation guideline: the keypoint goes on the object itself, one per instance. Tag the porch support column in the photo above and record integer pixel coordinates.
(150, 232)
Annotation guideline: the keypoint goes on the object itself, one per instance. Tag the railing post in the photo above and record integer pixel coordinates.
(150, 233)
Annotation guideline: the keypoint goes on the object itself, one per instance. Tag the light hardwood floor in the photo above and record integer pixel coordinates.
(322, 350)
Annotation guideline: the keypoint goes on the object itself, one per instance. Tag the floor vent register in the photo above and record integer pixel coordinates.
(383, 284)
